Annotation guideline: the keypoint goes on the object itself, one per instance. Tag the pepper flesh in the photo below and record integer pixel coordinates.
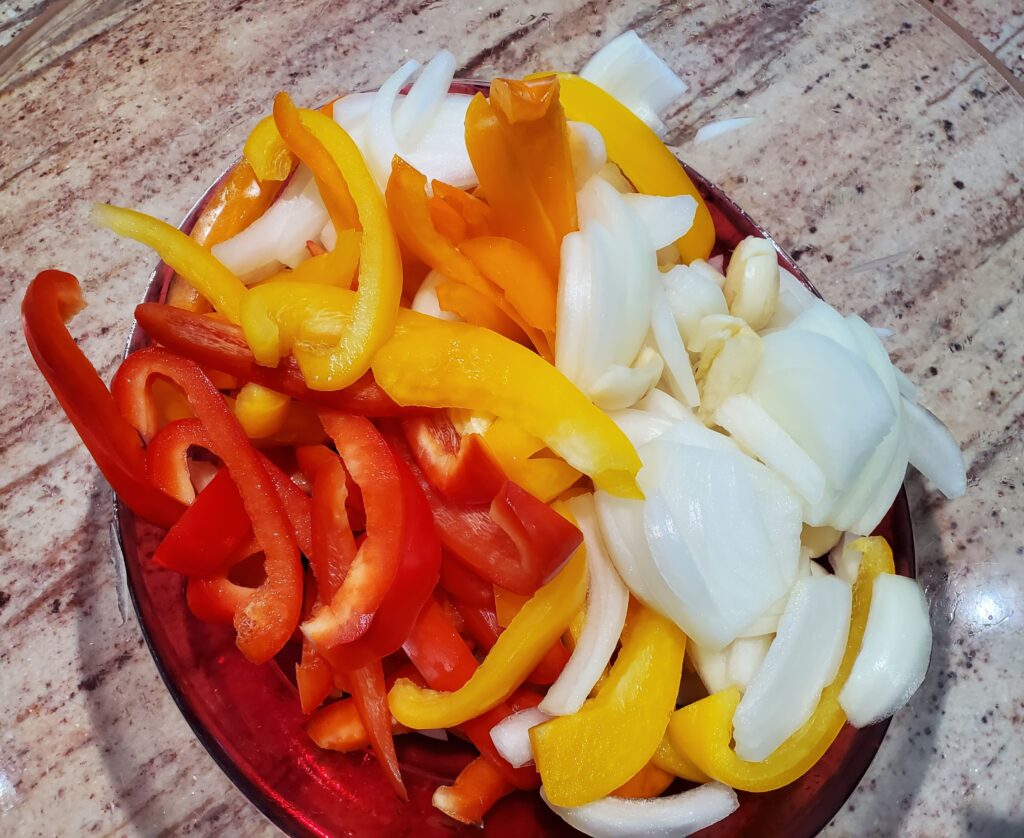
(589, 754)
(648, 163)
(543, 477)
(438, 364)
(342, 174)
(260, 410)
(516, 653)
(702, 731)
(52, 298)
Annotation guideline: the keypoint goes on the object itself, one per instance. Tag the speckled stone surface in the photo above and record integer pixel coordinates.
(888, 156)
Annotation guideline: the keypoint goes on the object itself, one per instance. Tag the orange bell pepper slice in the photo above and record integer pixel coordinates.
(477, 215)
(476, 308)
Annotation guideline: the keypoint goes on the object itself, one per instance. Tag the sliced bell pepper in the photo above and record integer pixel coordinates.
(519, 145)
(617, 732)
(518, 651)
(189, 259)
(373, 467)
(167, 458)
(438, 364)
(342, 175)
(520, 275)
(477, 788)
(518, 552)
(476, 308)
(216, 598)
(53, 298)
(240, 199)
(546, 478)
(339, 727)
(267, 153)
(477, 216)
(458, 466)
(416, 577)
(669, 759)
(702, 731)
(261, 411)
(327, 267)
(370, 697)
(446, 663)
(313, 675)
(221, 346)
(407, 203)
(465, 585)
(649, 781)
(270, 616)
(446, 219)
(334, 546)
(648, 163)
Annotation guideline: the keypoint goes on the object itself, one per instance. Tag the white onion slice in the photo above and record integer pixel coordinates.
(665, 218)
(713, 130)
(575, 288)
(894, 654)
(281, 233)
(630, 71)
(803, 659)
(660, 817)
(607, 599)
(640, 426)
(845, 562)
(620, 387)
(794, 298)
(692, 295)
(934, 452)
(762, 436)
(381, 142)
(589, 155)
(511, 736)
(826, 398)
(426, 302)
(711, 666)
(662, 404)
(622, 527)
(907, 387)
(418, 108)
(678, 372)
(746, 654)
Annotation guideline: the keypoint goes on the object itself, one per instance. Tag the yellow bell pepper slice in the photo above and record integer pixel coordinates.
(669, 759)
(200, 268)
(648, 163)
(335, 267)
(543, 477)
(440, 364)
(344, 182)
(267, 153)
(516, 654)
(591, 753)
(702, 731)
(261, 411)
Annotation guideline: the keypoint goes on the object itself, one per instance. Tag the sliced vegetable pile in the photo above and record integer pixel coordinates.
(460, 393)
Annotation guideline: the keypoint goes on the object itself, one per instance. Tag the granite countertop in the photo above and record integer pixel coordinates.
(887, 156)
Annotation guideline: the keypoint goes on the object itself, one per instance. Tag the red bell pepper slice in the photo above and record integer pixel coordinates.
(459, 467)
(270, 616)
(313, 675)
(373, 467)
(537, 543)
(334, 546)
(420, 560)
(167, 458)
(463, 584)
(53, 298)
(445, 661)
(370, 695)
(221, 346)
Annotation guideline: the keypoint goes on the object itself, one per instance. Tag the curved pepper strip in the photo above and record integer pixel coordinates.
(341, 173)
(594, 751)
(167, 457)
(221, 346)
(648, 782)
(702, 731)
(407, 203)
(332, 267)
(669, 759)
(477, 216)
(217, 599)
(648, 163)
(190, 260)
(53, 298)
(334, 547)
(270, 616)
(260, 410)
(370, 696)
(434, 363)
(515, 655)
(546, 478)
(266, 152)
(374, 468)
(476, 308)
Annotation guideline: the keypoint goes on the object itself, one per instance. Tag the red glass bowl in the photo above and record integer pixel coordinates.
(248, 716)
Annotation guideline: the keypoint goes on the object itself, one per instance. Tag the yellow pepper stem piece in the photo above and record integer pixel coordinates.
(648, 163)
(702, 731)
(200, 268)
(344, 180)
(519, 649)
(591, 753)
(261, 411)
(441, 364)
